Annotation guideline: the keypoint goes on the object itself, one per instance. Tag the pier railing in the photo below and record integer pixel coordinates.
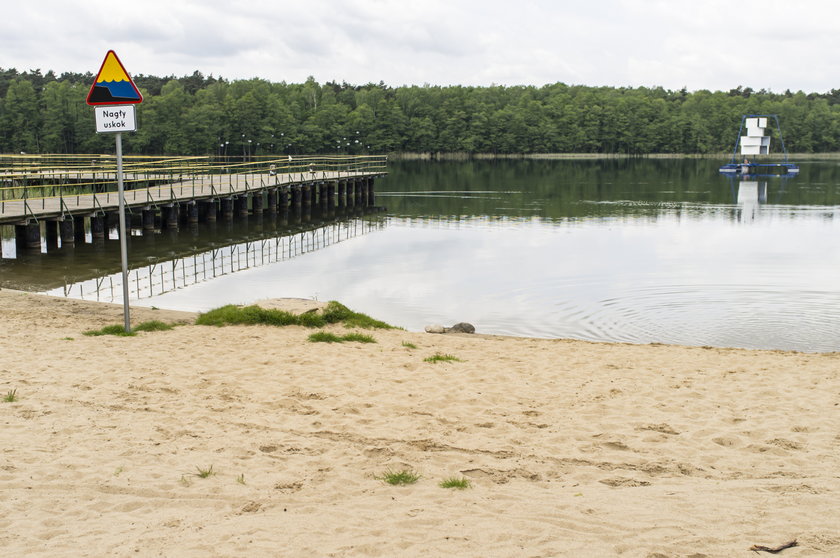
(34, 179)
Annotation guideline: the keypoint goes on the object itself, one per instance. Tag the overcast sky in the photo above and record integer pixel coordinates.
(703, 44)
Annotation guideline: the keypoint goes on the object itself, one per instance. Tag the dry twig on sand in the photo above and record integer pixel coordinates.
(775, 549)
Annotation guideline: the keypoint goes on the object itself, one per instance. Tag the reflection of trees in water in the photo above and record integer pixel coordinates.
(165, 276)
(571, 188)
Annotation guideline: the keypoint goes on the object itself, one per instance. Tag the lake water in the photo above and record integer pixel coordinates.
(629, 250)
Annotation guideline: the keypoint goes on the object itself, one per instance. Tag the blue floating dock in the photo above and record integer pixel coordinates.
(760, 169)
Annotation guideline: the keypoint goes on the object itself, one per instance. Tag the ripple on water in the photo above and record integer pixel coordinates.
(755, 317)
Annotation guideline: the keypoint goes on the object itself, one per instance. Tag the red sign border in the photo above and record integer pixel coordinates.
(131, 81)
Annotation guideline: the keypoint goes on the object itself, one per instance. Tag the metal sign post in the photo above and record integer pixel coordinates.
(123, 241)
(113, 96)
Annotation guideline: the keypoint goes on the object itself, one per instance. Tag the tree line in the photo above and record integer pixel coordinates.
(199, 115)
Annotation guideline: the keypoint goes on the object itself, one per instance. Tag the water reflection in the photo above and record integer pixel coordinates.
(167, 275)
(162, 261)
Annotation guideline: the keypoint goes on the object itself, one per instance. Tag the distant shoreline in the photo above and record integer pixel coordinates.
(461, 156)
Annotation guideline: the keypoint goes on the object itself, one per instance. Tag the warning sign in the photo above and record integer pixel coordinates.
(112, 85)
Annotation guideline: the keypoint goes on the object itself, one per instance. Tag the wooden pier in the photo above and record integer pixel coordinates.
(66, 202)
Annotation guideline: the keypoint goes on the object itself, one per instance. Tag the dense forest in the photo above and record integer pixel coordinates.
(198, 115)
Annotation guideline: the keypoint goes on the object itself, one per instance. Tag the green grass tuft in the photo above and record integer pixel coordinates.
(335, 312)
(241, 479)
(406, 476)
(153, 325)
(438, 357)
(461, 483)
(408, 345)
(109, 330)
(311, 319)
(204, 473)
(325, 337)
(358, 338)
(11, 396)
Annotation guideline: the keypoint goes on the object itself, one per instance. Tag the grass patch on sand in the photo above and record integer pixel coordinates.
(459, 483)
(397, 478)
(151, 325)
(109, 330)
(408, 345)
(327, 337)
(438, 357)
(204, 473)
(333, 313)
(358, 338)
(10, 397)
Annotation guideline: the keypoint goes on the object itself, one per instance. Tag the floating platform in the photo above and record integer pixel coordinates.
(760, 169)
(756, 142)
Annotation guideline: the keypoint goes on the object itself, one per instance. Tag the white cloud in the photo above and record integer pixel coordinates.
(700, 45)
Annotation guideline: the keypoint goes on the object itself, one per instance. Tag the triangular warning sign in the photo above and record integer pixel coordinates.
(112, 85)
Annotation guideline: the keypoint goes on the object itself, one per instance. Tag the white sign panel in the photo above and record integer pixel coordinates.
(111, 118)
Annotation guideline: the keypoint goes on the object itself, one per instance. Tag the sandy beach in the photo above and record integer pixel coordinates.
(571, 448)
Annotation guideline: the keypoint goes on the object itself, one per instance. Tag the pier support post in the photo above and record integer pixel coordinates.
(283, 199)
(65, 229)
(272, 200)
(28, 236)
(51, 234)
(296, 197)
(370, 198)
(79, 228)
(192, 213)
(322, 195)
(240, 205)
(257, 203)
(148, 219)
(342, 193)
(97, 227)
(208, 211)
(307, 194)
(170, 213)
(227, 209)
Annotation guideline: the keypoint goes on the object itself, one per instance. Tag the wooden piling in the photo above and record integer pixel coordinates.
(170, 216)
(97, 227)
(148, 219)
(79, 228)
(28, 236)
(65, 230)
(208, 211)
(51, 234)
(240, 205)
(192, 213)
(342, 193)
(227, 209)
(272, 200)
